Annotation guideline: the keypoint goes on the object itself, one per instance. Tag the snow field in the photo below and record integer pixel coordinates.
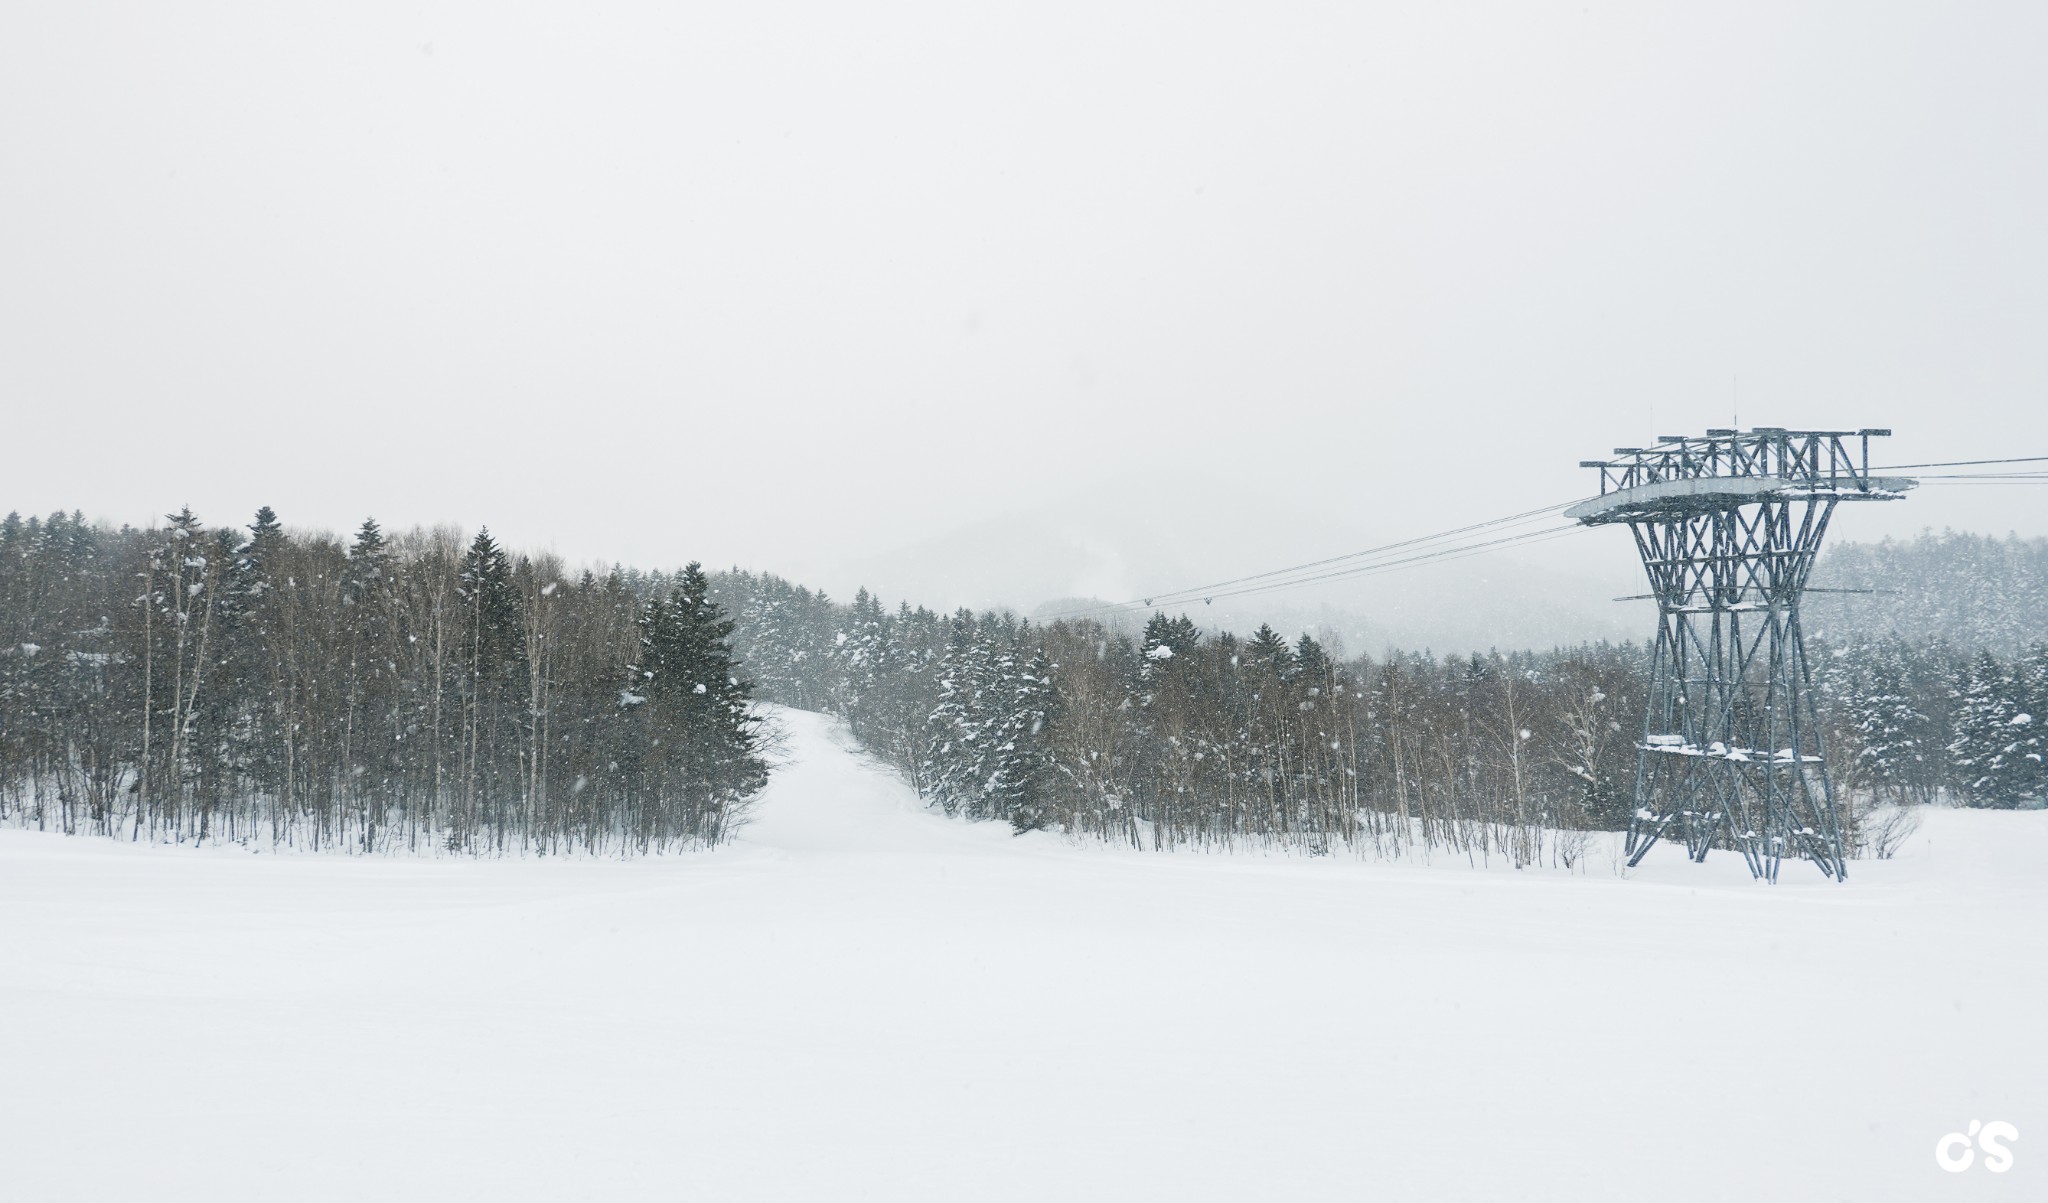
(863, 1000)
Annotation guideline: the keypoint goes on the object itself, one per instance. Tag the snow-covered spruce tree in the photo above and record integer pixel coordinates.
(998, 723)
(1029, 775)
(861, 651)
(230, 724)
(371, 708)
(2033, 677)
(1007, 764)
(248, 617)
(728, 741)
(703, 760)
(1311, 663)
(1894, 736)
(1178, 635)
(958, 730)
(1172, 733)
(1266, 647)
(2023, 761)
(1996, 742)
(493, 658)
(908, 690)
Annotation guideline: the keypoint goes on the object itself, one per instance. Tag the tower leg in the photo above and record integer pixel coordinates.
(1731, 754)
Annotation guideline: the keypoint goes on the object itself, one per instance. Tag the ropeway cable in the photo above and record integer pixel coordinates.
(1965, 463)
(1195, 591)
(1439, 556)
(1374, 560)
(1369, 555)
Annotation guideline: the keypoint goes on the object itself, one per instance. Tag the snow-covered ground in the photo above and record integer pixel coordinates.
(865, 1001)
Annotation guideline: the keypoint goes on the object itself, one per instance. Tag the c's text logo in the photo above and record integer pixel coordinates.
(1956, 1152)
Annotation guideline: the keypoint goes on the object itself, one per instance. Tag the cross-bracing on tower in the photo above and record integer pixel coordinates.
(1728, 525)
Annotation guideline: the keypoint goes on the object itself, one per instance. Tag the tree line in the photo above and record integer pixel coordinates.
(1178, 737)
(1181, 739)
(432, 690)
(424, 691)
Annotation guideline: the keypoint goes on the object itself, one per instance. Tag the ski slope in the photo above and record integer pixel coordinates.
(862, 1000)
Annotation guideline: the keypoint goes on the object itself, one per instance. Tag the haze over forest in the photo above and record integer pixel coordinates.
(826, 293)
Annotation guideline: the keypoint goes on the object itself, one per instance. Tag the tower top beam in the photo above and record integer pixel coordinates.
(1685, 475)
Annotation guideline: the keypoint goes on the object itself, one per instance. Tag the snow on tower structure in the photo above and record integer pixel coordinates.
(1728, 525)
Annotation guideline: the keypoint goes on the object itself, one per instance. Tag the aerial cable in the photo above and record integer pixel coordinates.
(1286, 576)
(1966, 481)
(1373, 551)
(1209, 592)
(1965, 463)
(1438, 556)
(1433, 555)
(1272, 578)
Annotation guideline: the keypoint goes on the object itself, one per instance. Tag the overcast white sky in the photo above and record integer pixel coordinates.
(794, 285)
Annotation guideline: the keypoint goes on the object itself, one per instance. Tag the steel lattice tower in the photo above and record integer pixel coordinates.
(1728, 526)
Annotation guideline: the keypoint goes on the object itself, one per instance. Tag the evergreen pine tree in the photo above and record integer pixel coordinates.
(1987, 748)
(861, 651)
(249, 711)
(1029, 772)
(370, 703)
(2028, 756)
(1892, 732)
(493, 658)
(1166, 638)
(957, 727)
(1267, 649)
(1312, 665)
(706, 737)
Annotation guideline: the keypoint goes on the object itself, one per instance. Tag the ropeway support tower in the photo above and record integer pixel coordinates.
(1728, 525)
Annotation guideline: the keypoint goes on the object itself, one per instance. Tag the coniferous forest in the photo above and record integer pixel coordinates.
(430, 691)
(419, 692)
